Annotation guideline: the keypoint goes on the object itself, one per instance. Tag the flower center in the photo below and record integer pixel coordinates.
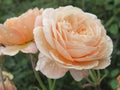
(82, 30)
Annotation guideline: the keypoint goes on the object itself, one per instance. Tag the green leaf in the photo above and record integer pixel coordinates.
(114, 29)
(113, 83)
(114, 73)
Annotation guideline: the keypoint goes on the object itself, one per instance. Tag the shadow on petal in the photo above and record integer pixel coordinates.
(78, 75)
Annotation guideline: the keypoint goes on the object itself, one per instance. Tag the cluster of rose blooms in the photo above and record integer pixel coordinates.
(67, 39)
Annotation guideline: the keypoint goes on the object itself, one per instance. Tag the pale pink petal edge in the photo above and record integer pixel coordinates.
(31, 48)
(13, 50)
(103, 63)
(78, 75)
(49, 68)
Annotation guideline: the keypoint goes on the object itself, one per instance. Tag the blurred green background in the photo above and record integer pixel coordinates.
(106, 10)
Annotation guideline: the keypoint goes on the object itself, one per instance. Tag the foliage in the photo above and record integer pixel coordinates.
(106, 10)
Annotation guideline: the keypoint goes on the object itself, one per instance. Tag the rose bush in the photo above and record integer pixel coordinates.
(16, 34)
(70, 39)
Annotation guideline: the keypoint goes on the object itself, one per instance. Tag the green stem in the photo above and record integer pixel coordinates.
(87, 79)
(98, 73)
(36, 73)
(95, 76)
(103, 77)
(92, 75)
(53, 85)
(49, 83)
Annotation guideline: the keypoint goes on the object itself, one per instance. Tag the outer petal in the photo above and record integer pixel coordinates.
(91, 15)
(103, 63)
(19, 30)
(47, 16)
(13, 50)
(40, 41)
(38, 21)
(76, 65)
(31, 48)
(10, 50)
(49, 68)
(78, 75)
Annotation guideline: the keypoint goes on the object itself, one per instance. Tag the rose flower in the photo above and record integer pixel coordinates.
(71, 40)
(16, 34)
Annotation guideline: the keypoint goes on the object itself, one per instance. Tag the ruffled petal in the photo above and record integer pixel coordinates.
(103, 63)
(31, 48)
(38, 21)
(40, 41)
(73, 64)
(78, 75)
(62, 51)
(50, 68)
(10, 36)
(46, 19)
(10, 50)
(91, 15)
(13, 50)
(19, 30)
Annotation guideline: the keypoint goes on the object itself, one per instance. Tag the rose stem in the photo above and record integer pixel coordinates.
(51, 84)
(36, 73)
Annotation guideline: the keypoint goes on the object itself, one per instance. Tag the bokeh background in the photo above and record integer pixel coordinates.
(106, 10)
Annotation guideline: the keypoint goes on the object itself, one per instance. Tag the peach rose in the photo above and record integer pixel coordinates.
(16, 34)
(71, 40)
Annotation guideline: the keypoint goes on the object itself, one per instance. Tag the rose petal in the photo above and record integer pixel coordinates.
(62, 51)
(40, 41)
(13, 50)
(47, 13)
(50, 68)
(19, 30)
(91, 15)
(10, 36)
(38, 21)
(10, 50)
(31, 48)
(78, 75)
(48, 35)
(103, 63)
(76, 65)
(84, 50)
(107, 47)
